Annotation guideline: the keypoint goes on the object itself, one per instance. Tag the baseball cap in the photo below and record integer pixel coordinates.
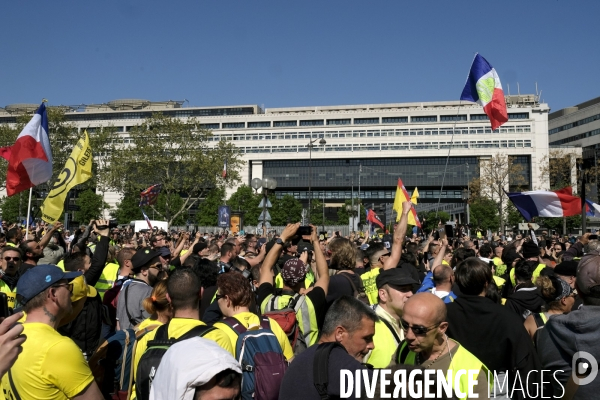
(566, 268)
(164, 251)
(198, 247)
(81, 289)
(35, 280)
(394, 277)
(143, 257)
(293, 271)
(588, 276)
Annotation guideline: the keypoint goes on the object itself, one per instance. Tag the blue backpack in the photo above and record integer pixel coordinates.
(261, 358)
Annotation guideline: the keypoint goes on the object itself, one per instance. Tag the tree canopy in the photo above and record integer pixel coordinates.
(176, 154)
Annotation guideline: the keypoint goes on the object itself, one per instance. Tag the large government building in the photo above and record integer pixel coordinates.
(366, 146)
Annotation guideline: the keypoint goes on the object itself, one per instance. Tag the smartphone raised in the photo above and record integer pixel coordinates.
(4, 309)
(304, 231)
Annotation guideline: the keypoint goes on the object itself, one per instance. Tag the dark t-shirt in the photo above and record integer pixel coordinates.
(298, 381)
(316, 296)
(339, 286)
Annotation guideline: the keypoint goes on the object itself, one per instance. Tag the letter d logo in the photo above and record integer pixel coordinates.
(583, 363)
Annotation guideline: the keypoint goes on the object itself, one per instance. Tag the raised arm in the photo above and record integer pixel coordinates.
(440, 255)
(266, 269)
(46, 239)
(322, 268)
(399, 234)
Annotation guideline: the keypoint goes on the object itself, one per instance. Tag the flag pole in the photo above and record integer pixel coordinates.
(28, 214)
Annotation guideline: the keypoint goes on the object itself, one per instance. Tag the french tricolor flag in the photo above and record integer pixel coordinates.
(541, 203)
(30, 160)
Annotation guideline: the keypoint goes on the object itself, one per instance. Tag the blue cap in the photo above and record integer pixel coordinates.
(39, 278)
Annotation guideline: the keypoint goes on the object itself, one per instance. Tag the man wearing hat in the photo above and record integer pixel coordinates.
(567, 271)
(531, 252)
(564, 336)
(146, 265)
(394, 287)
(51, 365)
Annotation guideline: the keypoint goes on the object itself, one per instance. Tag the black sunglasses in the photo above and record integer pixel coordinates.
(8, 259)
(417, 330)
(219, 296)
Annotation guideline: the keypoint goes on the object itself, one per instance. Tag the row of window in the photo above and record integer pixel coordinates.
(475, 130)
(365, 194)
(574, 124)
(372, 162)
(479, 144)
(576, 137)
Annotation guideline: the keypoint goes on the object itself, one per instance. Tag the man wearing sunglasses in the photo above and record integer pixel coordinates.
(426, 344)
(11, 259)
(395, 287)
(51, 365)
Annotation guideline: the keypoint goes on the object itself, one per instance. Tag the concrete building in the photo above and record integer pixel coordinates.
(367, 146)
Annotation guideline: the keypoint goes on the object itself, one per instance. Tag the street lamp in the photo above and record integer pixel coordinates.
(267, 184)
(466, 194)
(310, 146)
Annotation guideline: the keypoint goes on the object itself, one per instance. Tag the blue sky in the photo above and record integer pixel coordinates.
(303, 53)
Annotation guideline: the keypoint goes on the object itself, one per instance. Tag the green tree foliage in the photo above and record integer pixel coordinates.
(556, 224)
(169, 201)
(429, 221)
(10, 208)
(207, 214)
(90, 205)
(344, 214)
(176, 154)
(245, 200)
(513, 216)
(484, 214)
(128, 209)
(316, 214)
(285, 210)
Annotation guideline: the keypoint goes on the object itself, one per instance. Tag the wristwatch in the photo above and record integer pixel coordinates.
(279, 241)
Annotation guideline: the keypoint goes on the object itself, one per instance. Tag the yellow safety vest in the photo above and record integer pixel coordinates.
(500, 268)
(461, 360)
(309, 279)
(385, 342)
(305, 314)
(11, 296)
(107, 280)
(534, 276)
(369, 282)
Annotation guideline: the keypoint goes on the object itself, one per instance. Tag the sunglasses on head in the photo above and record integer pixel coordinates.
(417, 329)
(220, 296)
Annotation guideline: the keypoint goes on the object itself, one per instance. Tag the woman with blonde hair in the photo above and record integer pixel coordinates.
(158, 306)
(342, 263)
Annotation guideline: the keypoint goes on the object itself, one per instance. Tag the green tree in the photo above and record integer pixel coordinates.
(429, 221)
(208, 209)
(90, 205)
(10, 208)
(176, 154)
(344, 214)
(316, 214)
(245, 200)
(513, 216)
(128, 209)
(166, 201)
(556, 224)
(484, 213)
(285, 210)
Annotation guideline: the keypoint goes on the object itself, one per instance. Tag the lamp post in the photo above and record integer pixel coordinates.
(310, 146)
(465, 197)
(267, 184)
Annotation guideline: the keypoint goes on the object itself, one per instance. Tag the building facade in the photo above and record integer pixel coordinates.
(368, 147)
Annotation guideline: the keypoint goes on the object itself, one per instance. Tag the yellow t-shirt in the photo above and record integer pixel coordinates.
(51, 366)
(369, 282)
(178, 327)
(249, 319)
(148, 322)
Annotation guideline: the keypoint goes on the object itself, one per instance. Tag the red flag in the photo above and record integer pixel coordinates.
(5, 152)
(374, 219)
(149, 196)
(224, 174)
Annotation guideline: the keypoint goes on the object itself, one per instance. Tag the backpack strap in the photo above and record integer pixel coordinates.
(321, 368)
(392, 330)
(200, 331)
(294, 301)
(162, 332)
(124, 357)
(131, 320)
(354, 289)
(539, 322)
(234, 324)
(265, 323)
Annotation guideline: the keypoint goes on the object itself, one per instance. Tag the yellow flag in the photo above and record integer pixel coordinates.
(414, 196)
(78, 169)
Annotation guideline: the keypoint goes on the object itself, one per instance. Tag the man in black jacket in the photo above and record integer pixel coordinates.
(493, 333)
(85, 330)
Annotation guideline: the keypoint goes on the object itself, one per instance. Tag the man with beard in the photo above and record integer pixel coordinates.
(146, 266)
(33, 251)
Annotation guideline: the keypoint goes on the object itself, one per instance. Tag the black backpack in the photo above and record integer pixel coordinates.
(154, 353)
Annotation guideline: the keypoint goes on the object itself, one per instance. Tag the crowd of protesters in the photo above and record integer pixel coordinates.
(106, 313)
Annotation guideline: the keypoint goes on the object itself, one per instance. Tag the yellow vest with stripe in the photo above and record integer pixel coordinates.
(499, 266)
(305, 314)
(463, 359)
(370, 284)
(308, 280)
(11, 296)
(385, 343)
(107, 280)
(534, 276)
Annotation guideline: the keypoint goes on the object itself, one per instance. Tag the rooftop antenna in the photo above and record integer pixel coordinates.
(508, 87)
(518, 89)
(536, 90)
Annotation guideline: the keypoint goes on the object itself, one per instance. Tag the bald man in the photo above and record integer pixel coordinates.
(426, 344)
